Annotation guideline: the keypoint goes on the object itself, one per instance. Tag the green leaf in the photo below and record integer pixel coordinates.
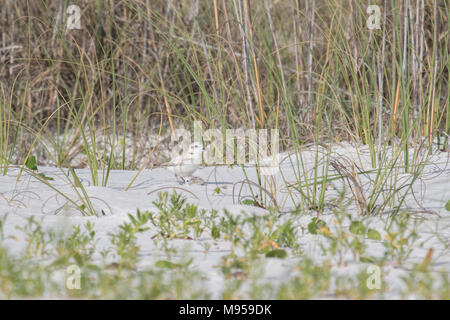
(31, 163)
(315, 225)
(43, 176)
(170, 265)
(78, 259)
(447, 205)
(167, 264)
(277, 253)
(373, 234)
(367, 259)
(248, 202)
(356, 227)
(215, 232)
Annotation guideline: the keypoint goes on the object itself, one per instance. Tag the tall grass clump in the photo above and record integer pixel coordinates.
(312, 69)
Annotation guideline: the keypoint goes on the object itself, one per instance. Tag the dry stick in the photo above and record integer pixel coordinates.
(28, 73)
(413, 37)
(227, 22)
(297, 60)
(170, 9)
(57, 25)
(298, 50)
(144, 58)
(347, 169)
(166, 102)
(11, 47)
(256, 86)
(216, 16)
(435, 66)
(250, 183)
(210, 47)
(259, 93)
(405, 42)
(238, 12)
(150, 26)
(3, 17)
(193, 10)
(421, 49)
(13, 32)
(405, 57)
(396, 103)
(248, 29)
(53, 92)
(277, 50)
(310, 55)
(208, 64)
(381, 85)
(416, 49)
(393, 64)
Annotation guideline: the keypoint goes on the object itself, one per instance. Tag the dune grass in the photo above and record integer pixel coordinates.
(134, 62)
(42, 267)
(110, 95)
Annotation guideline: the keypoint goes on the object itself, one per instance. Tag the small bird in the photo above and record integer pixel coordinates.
(187, 163)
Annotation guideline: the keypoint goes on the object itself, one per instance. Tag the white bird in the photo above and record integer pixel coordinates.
(187, 163)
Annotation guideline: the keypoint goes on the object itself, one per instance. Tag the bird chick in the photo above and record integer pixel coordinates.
(187, 163)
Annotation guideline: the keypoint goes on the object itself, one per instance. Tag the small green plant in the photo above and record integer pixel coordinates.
(349, 286)
(341, 239)
(38, 240)
(422, 282)
(401, 237)
(177, 219)
(31, 164)
(77, 249)
(124, 242)
(308, 280)
(447, 205)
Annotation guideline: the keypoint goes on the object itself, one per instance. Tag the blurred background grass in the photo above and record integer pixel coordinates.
(311, 68)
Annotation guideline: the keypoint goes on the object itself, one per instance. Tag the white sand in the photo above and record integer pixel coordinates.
(30, 197)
